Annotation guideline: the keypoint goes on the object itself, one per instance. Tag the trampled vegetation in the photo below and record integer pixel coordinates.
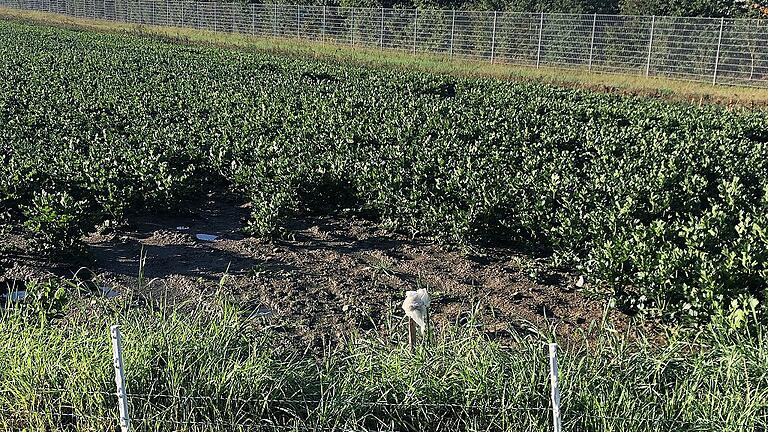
(664, 205)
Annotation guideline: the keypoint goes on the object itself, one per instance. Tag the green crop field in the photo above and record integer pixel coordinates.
(662, 206)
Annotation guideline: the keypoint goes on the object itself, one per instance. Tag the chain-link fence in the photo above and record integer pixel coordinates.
(721, 51)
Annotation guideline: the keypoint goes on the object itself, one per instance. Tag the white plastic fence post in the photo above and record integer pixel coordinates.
(650, 46)
(324, 14)
(352, 25)
(554, 383)
(122, 397)
(274, 22)
(538, 50)
(253, 18)
(717, 56)
(415, 27)
(493, 38)
(592, 42)
(298, 22)
(453, 29)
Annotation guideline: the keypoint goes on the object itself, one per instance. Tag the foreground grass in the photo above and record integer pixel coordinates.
(694, 92)
(205, 367)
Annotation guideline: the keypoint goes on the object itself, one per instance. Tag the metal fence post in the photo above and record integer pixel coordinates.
(554, 383)
(415, 28)
(381, 30)
(717, 56)
(592, 42)
(117, 359)
(752, 54)
(453, 29)
(493, 38)
(538, 50)
(650, 46)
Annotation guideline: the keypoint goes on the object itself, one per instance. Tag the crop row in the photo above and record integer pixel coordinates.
(663, 204)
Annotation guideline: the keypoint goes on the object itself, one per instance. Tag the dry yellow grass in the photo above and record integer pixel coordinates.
(695, 92)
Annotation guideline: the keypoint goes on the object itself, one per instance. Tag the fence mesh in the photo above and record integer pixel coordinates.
(721, 51)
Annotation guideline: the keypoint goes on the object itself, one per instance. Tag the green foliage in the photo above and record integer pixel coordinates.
(45, 300)
(662, 205)
(55, 220)
(705, 8)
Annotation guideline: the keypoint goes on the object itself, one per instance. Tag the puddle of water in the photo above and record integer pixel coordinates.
(15, 296)
(260, 311)
(109, 292)
(207, 237)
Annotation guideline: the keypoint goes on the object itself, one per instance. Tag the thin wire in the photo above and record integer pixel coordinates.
(320, 401)
(59, 414)
(234, 424)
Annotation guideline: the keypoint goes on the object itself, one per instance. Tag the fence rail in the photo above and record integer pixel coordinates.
(716, 50)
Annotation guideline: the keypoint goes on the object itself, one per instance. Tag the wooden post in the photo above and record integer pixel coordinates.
(554, 382)
(411, 335)
(122, 397)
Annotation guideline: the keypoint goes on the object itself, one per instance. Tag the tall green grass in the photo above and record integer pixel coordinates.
(206, 367)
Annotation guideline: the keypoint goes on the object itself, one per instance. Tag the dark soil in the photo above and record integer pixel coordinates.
(327, 276)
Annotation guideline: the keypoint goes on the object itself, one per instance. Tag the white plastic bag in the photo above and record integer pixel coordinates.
(416, 307)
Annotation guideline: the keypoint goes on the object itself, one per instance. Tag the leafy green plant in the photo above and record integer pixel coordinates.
(55, 220)
(45, 300)
(661, 205)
